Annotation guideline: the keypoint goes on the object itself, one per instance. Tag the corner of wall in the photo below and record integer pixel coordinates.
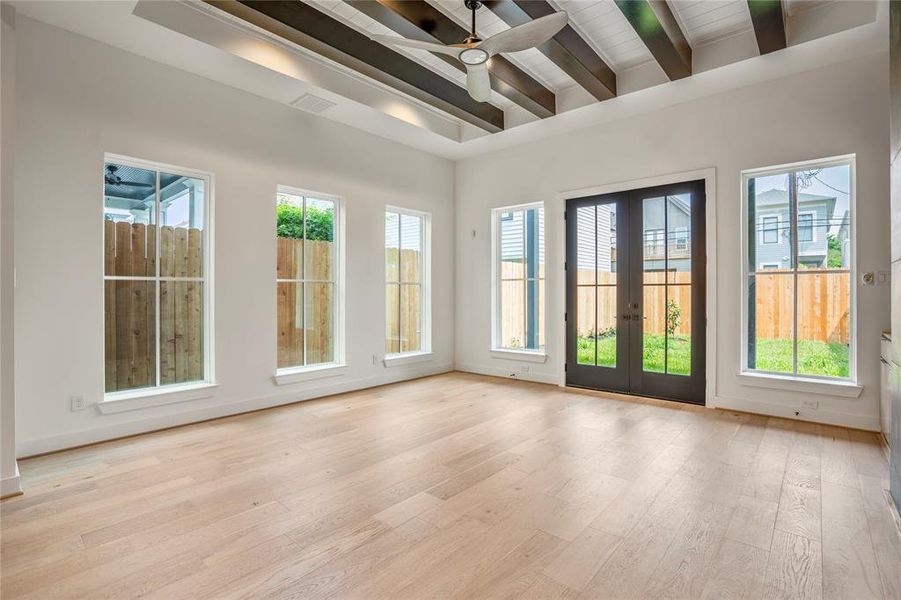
(9, 470)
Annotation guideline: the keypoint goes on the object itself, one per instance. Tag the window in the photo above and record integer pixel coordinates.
(654, 243)
(406, 282)
(307, 274)
(681, 238)
(805, 227)
(518, 301)
(799, 312)
(770, 228)
(156, 276)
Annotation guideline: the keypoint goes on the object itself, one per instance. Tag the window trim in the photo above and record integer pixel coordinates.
(425, 286)
(796, 382)
(813, 227)
(496, 349)
(143, 397)
(764, 231)
(299, 373)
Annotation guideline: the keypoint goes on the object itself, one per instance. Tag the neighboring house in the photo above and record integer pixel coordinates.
(606, 238)
(657, 246)
(815, 213)
(661, 251)
(514, 224)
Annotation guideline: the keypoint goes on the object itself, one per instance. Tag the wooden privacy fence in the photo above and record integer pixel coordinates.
(130, 306)
(403, 313)
(512, 298)
(824, 300)
(824, 305)
(654, 301)
(305, 310)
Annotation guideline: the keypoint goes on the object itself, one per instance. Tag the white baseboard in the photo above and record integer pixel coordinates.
(99, 434)
(825, 417)
(32, 447)
(509, 373)
(12, 485)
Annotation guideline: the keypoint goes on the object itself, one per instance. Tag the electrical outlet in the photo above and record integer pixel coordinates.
(77, 402)
(375, 359)
(525, 369)
(883, 277)
(813, 404)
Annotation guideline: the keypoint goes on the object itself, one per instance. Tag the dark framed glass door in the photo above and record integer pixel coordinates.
(635, 279)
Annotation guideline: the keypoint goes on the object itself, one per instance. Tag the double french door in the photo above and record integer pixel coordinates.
(635, 292)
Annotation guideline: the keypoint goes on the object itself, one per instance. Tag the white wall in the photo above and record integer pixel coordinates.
(832, 111)
(9, 473)
(78, 99)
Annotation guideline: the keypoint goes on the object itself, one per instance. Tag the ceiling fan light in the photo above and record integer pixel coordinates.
(473, 56)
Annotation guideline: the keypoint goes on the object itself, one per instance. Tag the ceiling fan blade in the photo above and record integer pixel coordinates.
(478, 84)
(525, 36)
(136, 184)
(390, 40)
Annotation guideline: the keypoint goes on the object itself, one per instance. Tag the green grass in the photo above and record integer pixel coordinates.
(814, 358)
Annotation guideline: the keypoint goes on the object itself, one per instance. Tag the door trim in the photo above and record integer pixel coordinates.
(559, 247)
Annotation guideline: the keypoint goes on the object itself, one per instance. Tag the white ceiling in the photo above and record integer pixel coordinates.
(599, 22)
(705, 21)
(605, 28)
(719, 31)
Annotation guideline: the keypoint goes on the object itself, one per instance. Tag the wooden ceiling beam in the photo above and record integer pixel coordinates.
(655, 24)
(567, 49)
(421, 21)
(309, 28)
(769, 24)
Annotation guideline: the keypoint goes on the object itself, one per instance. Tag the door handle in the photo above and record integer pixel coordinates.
(627, 317)
(636, 317)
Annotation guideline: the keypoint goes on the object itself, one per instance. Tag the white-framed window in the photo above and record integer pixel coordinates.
(798, 320)
(769, 229)
(407, 278)
(681, 238)
(309, 280)
(518, 278)
(157, 277)
(806, 229)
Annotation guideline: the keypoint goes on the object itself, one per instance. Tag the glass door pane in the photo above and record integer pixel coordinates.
(597, 293)
(666, 281)
(596, 297)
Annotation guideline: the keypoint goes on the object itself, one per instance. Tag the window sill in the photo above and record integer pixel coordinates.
(398, 360)
(117, 402)
(296, 375)
(843, 389)
(535, 356)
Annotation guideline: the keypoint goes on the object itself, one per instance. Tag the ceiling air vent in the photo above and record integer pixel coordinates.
(313, 104)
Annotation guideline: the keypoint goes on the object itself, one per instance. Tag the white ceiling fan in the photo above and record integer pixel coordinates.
(474, 52)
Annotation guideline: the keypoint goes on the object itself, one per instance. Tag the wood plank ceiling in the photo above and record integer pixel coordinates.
(604, 38)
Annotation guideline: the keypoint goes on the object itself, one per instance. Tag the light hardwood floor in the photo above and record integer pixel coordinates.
(460, 486)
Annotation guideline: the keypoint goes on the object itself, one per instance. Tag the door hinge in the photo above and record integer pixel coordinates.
(565, 317)
(565, 367)
(565, 268)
